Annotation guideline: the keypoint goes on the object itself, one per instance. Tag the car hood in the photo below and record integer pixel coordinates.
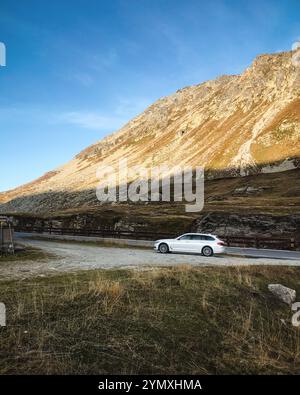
(163, 240)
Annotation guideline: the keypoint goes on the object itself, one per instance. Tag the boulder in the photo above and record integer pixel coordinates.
(285, 294)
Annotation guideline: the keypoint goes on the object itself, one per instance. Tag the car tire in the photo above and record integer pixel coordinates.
(207, 251)
(163, 248)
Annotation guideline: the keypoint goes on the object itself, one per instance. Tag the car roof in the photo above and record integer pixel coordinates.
(198, 234)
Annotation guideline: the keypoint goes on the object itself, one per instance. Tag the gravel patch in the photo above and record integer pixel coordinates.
(71, 257)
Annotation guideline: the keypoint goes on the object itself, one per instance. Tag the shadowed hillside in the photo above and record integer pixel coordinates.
(266, 203)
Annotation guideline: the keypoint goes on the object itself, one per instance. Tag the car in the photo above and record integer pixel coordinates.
(205, 244)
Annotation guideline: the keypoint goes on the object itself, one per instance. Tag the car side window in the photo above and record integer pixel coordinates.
(208, 238)
(186, 237)
(202, 237)
(197, 237)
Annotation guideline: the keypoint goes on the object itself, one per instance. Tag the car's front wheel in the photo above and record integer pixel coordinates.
(207, 251)
(163, 248)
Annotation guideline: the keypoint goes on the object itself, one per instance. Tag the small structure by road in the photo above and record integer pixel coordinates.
(7, 244)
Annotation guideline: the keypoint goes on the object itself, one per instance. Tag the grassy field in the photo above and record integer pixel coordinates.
(166, 320)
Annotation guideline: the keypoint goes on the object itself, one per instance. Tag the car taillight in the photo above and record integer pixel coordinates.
(221, 243)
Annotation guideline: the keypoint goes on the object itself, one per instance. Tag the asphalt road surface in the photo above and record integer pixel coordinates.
(265, 253)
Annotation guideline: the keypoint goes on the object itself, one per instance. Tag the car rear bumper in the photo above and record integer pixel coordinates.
(219, 250)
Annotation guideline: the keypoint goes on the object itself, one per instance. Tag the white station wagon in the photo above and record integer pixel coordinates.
(204, 244)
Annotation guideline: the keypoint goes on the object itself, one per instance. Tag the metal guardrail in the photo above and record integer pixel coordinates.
(119, 234)
(288, 243)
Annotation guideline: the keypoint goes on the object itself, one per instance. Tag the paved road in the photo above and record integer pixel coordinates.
(265, 253)
(71, 257)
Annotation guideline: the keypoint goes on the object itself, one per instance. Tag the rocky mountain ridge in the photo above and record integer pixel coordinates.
(233, 126)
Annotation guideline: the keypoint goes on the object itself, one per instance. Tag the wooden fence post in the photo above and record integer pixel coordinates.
(292, 243)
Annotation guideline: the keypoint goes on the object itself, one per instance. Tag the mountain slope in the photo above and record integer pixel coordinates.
(234, 125)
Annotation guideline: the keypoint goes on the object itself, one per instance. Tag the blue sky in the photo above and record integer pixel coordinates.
(78, 70)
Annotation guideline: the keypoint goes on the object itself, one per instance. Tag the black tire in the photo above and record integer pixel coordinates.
(163, 248)
(207, 251)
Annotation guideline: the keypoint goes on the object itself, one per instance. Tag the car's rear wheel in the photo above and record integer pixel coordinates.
(207, 251)
(163, 248)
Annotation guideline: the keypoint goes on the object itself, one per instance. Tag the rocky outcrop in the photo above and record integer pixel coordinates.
(266, 225)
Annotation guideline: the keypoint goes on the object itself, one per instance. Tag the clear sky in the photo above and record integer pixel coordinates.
(78, 70)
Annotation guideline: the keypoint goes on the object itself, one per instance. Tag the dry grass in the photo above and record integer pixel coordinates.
(27, 254)
(164, 320)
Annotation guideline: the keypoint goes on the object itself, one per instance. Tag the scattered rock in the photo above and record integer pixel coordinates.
(285, 294)
(253, 189)
(240, 190)
(249, 190)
